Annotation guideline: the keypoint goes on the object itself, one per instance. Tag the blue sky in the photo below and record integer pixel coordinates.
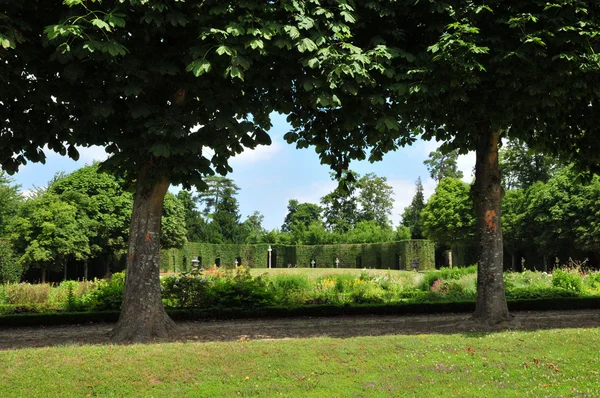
(270, 176)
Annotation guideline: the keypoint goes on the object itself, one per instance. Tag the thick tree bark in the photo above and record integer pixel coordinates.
(142, 314)
(491, 304)
(85, 270)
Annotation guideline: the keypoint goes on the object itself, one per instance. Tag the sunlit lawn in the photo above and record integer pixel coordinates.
(554, 363)
(314, 273)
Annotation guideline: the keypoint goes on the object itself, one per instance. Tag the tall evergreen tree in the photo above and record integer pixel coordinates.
(441, 163)
(411, 217)
(226, 218)
(217, 188)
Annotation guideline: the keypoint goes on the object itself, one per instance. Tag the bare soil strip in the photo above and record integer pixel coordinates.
(338, 327)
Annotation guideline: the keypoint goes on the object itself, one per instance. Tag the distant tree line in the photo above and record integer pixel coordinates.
(549, 212)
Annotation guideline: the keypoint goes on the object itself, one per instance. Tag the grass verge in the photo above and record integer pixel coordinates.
(540, 363)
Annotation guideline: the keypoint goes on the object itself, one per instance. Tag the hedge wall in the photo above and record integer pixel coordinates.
(393, 255)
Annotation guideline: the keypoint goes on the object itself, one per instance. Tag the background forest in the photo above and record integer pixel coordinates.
(77, 225)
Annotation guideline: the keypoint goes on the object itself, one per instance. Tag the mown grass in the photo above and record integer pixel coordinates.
(316, 273)
(554, 363)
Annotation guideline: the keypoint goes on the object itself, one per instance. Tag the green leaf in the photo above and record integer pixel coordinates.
(235, 71)
(73, 152)
(113, 48)
(199, 67)
(255, 43)
(292, 31)
(100, 24)
(225, 50)
(115, 20)
(307, 44)
(160, 150)
(313, 63)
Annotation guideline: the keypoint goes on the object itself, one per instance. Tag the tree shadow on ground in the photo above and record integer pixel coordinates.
(302, 328)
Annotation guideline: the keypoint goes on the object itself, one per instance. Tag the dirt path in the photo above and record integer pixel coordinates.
(256, 329)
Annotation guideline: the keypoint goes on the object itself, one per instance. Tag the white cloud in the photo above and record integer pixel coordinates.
(465, 163)
(261, 153)
(26, 193)
(93, 153)
(314, 192)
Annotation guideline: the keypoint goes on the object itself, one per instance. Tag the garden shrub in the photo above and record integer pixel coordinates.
(446, 274)
(566, 279)
(189, 289)
(237, 288)
(593, 280)
(522, 293)
(3, 295)
(108, 294)
(290, 289)
(26, 297)
(10, 270)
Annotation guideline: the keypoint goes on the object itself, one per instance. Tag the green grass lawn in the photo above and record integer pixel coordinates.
(314, 273)
(554, 363)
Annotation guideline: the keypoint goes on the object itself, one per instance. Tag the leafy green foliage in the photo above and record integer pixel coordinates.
(108, 294)
(568, 280)
(411, 217)
(103, 207)
(449, 217)
(441, 164)
(300, 216)
(9, 202)
(173, 232)
(520, 167)
(48, 232)
(10, 268)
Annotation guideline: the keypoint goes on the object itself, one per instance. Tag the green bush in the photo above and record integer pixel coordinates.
(237, 288)
(3, 295)
(539, 293)
(536, 280)
(290, 289)
(108, 294)
(289, 283)
(568, 280)
(26, 297)
(10, 270)
(593, 280)
(446, 274)
(187, 290)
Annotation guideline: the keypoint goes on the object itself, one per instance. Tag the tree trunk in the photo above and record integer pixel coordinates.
(43, 276)
(487, 192)
(513, 262)
(142, 314)
(545, 264)
(65, 272)
(85, 270)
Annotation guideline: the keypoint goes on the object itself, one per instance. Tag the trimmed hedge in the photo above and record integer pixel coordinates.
(555, 304)
(392, 255)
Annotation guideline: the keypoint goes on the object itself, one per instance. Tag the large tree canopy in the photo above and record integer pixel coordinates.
(156, 83)
(468, 74)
